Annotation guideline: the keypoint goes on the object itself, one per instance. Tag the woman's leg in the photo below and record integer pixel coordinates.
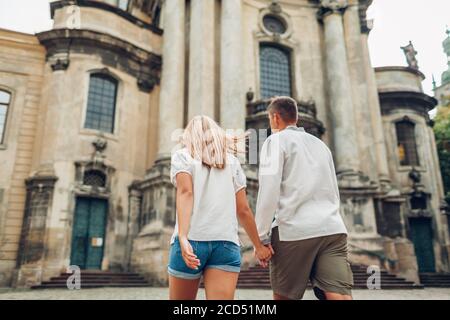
(220, 284)
(277, 296)
(182, 289)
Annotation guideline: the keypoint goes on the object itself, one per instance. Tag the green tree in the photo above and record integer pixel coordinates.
(442, 133)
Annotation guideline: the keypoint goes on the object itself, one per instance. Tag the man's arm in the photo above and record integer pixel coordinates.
(270, 174)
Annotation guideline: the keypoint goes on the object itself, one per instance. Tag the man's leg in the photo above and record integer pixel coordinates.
(290, 266)
(332, 276)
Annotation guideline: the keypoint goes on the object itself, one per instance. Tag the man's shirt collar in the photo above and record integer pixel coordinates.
(296, 128)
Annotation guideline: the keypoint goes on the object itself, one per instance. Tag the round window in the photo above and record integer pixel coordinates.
(274, 24)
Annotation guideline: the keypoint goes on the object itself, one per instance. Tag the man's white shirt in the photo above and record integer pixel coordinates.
(298, 190)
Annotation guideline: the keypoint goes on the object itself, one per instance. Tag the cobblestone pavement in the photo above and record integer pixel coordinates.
(162, 293)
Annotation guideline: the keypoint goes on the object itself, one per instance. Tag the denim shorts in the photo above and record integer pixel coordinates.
(223, 255)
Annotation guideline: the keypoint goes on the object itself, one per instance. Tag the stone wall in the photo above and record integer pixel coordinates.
(22, 61)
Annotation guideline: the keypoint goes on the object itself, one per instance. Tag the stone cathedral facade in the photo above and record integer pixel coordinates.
(88, 110)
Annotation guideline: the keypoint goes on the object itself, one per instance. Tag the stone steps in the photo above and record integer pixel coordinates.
(435, 280)
(259, 278)
(97, 279)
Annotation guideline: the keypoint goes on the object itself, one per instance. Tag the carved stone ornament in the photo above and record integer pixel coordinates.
(275, 7)
(99, 145)
(60, 64)
(334, 5)
(415, 175)
(328, 7)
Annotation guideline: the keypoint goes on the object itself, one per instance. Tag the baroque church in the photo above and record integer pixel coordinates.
(88, 112)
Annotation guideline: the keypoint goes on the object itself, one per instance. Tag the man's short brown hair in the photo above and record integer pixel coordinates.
(286, 107)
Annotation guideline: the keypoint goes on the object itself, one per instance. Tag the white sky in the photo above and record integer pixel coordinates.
(395, 23)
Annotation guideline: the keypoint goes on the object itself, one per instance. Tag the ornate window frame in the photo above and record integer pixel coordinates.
(5, 134)
(282, 16)
(118, 103)
(288, 52)
(407, 120)
(82, 167)
(418, 134)
(288, 45)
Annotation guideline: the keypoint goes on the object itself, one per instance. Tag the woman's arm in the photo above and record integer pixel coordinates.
(185, 203)
(247, 220)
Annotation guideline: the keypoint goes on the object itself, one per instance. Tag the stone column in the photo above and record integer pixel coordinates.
(135, 209)
(201, 59)
(357, 72)
(375, 110)
(232, 95)
(171, 107)
(340, 92)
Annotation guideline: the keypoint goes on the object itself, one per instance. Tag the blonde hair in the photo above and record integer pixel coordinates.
(207, 142)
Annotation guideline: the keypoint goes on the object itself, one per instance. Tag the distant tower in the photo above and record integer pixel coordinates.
(442, 92)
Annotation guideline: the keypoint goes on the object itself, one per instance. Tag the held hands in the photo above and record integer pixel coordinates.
(187, 253)
(264, 253)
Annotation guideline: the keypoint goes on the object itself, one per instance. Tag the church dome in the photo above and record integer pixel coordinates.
(446, 45)
(446, 77)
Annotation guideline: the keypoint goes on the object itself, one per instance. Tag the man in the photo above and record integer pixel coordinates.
(297, 211)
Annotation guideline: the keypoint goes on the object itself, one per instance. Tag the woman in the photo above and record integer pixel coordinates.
(210, 199)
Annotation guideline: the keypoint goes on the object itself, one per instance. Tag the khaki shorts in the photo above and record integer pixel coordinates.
(323, 260)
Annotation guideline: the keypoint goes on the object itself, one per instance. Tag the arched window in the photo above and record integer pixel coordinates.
(406, 143)
(5, 99)
(275, 69)
(94, 178)
(101, 105)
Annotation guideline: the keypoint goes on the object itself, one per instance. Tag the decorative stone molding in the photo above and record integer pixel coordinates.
(82, 167)
(418, 102)
(327, 7)
(141, 4)
(146, 84)
(257, 116)
(97, 163)
(145, 66)
(366, 25)
(334, 5)
(60, 61)
(60, 64)
(275, 10)
(353, 182)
